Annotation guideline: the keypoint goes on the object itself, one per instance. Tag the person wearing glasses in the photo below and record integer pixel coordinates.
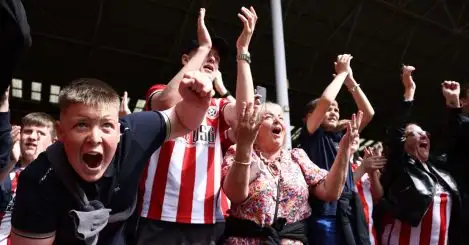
(421, 201)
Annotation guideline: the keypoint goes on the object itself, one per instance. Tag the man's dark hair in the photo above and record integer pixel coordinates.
(310, 107)
(217, 42)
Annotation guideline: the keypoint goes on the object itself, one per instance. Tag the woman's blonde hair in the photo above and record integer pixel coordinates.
(264, 109)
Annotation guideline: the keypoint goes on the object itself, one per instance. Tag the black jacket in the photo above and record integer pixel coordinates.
(408, 186)
(15, 38)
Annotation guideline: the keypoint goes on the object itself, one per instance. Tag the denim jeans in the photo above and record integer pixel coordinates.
(323, 231)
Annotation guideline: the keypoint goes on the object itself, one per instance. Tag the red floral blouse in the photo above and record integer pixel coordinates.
(296, 174)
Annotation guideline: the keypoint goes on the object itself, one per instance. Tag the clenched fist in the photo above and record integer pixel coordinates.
(196, 87)
(451, 90)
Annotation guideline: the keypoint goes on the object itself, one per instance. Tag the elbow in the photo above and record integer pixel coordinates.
(237, 199)
(159, 102)
(236, 195)
(377, 197)
(334, 196)
(160, 105)
(327, 99)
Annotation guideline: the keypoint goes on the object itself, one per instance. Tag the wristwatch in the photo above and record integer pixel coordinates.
(245, 56)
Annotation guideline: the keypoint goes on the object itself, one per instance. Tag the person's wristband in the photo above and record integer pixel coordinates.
(225, 95)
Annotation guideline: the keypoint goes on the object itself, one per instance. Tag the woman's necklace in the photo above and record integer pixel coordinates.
(274, 169)
(273, 166)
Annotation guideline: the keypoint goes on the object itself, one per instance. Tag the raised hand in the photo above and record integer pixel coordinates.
(342, 63)
(15, 139)
(249, 19)
(372, 162)
(203, 36)
(350, 80)
(451, 91)
(124, 109)
(248, 124)
(196, 87)
(377, 149)
(407, 79)
(352, 136)
(342, 125)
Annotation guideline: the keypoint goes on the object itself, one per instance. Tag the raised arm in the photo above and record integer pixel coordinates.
(221, 89)
(458, 122)
(196, 90)
(5, 130)
(377, 190)
(236, 180)
(396, 129)
(15, 153)
(371, 164)
(331, 188)
(124, 109)
(451, 91)
(170, 96)
(395, 132)
(244, 83)
(330, 93)
(360, 99)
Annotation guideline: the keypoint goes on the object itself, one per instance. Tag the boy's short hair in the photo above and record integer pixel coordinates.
(87, 91)
(40, 119)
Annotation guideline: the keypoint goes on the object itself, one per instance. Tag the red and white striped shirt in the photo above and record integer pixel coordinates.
(432, 230)
(366, 198)
(5, 223)
(182, 180)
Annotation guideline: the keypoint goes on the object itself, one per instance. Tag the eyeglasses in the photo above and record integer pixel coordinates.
(417, 134)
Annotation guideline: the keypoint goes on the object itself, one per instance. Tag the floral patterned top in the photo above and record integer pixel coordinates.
(295, 173)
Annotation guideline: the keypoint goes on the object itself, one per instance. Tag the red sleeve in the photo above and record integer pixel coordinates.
(223, 125)
(225, 141)
(153, 90)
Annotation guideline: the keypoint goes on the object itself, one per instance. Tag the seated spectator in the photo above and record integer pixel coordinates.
(269, 185)
(101, 158)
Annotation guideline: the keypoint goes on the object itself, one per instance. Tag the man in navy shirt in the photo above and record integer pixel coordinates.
(105, 156)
